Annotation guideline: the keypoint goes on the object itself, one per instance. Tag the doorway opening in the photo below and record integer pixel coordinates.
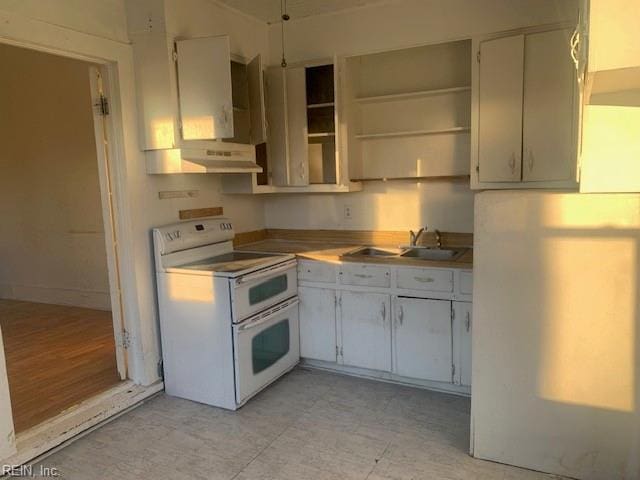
(60, 307)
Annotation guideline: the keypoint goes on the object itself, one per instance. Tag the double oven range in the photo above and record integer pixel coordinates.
(228, 319)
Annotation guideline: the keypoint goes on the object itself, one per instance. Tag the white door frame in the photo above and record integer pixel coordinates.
(103, 131)
(116, 61)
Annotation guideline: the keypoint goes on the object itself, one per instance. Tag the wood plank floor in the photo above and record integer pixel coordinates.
(308, 425)
(56, 357)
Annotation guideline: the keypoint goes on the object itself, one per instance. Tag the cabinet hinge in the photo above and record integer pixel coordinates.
(126, 339)
(102, 105)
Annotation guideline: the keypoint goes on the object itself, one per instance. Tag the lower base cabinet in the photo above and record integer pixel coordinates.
(368, 317)
(366, 330)
(318, 323)
(462, 326)
(422, 339)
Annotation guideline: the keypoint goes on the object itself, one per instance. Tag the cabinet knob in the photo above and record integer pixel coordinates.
(530, 159)
(512, 163)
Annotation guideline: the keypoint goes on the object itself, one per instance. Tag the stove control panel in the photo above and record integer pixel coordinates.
(192, 234)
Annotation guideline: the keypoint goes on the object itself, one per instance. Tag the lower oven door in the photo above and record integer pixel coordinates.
(266, 346)
(257, 291)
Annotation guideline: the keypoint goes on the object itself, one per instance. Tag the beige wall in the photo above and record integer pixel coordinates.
(52, 247)
(396, 205)
(556, 336)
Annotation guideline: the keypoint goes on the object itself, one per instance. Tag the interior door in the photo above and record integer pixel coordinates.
(256, 101)
(422, 344)
(462, 328)
(204, 88)
(500, 119)
(317, 323)
(366, 330)
(549, 106)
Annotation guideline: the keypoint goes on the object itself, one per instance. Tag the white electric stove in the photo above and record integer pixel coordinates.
(228, 319)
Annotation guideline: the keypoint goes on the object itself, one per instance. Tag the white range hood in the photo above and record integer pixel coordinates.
(201, 160)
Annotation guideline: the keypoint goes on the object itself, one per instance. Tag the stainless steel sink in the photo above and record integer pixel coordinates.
(430, 253)
(374, 252)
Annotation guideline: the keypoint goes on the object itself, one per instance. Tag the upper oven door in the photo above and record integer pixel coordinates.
(255, 292)
(266, 346)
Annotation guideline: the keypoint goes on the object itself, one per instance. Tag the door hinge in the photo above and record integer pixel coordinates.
(102, 105)
(174, 54)
(160, 369)
(453, 313)
(126, 339)
(453, 370)
(478, 56)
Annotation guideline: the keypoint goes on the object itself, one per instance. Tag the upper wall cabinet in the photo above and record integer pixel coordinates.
(201, 109)
(303, 152)
(408, 112)
(526, 112)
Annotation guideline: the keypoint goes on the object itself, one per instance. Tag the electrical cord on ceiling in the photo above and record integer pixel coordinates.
(285, 17)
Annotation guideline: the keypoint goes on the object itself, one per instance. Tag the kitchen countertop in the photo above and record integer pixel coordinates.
(335, 252)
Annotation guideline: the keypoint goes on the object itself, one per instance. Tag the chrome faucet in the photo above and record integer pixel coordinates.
(438, 239)
(415, 236)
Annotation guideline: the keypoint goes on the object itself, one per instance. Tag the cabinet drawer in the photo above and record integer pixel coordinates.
(365, 275)
(316, 271)
(425, 279)
(466, 283)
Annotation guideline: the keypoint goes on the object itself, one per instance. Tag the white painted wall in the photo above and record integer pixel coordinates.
(399, 24)
(400, 205)
(52, 248)
(556, 337)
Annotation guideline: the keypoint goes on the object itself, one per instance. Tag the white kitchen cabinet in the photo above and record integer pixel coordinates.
(318, 323)
(501, 93)
(422, 339)
(525, 112)
(462, 326)
(365, 320)
(204, 88)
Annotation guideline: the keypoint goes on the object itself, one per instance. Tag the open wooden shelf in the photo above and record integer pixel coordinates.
(412, 133)
(441, 178)
(411, 95)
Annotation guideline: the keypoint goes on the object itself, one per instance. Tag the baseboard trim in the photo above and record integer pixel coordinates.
(96, 300)
(388, 377)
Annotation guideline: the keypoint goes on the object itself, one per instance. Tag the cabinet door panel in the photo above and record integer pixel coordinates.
(500, 121)
(297, 126)
(366, 330)
(204, 86)
(462, 327)
(548, 118)
(277, 125)
(317, 323)
(256, 101)
(422, 343)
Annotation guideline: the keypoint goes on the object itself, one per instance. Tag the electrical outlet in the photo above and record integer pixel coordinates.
(347, 212)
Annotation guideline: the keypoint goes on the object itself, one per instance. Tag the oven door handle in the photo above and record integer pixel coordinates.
(248, 325)
(266, 272)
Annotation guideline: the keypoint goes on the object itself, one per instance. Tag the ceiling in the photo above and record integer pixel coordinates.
(269, 10)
